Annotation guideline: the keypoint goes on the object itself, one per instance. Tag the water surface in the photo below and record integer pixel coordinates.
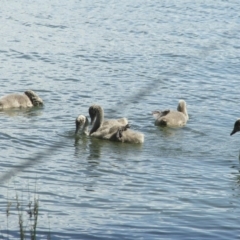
(131, 58)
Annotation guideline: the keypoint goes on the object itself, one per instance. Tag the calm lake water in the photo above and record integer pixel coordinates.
(131, 57)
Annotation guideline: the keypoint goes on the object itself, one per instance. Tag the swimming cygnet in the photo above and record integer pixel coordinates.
(82, 124)
(172, 118)
(17, 100)
(114, 130)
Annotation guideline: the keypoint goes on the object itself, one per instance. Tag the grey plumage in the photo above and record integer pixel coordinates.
(17, 100)
(114, 129)
(82, 124)
(172, 118)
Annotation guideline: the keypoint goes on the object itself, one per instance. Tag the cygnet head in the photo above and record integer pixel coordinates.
(182, 107)
(94, 110)
(35, 99)
(81, 122)
(236, 127)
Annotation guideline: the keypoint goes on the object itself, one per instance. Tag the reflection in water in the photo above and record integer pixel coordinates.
(26, 112)
(84, 143)
(169, 132)
(94, 150)
(94, 147)
(236, 187)
(88, 151)
(81, 145)
(97, 159)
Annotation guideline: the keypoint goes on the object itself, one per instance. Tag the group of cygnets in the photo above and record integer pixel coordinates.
(114, 129)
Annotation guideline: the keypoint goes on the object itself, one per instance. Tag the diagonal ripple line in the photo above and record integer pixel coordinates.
(139, 96)
(45, 153)
(40, 155)
(37, 158)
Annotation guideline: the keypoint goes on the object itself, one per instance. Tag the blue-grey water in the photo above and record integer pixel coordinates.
(131, 57)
